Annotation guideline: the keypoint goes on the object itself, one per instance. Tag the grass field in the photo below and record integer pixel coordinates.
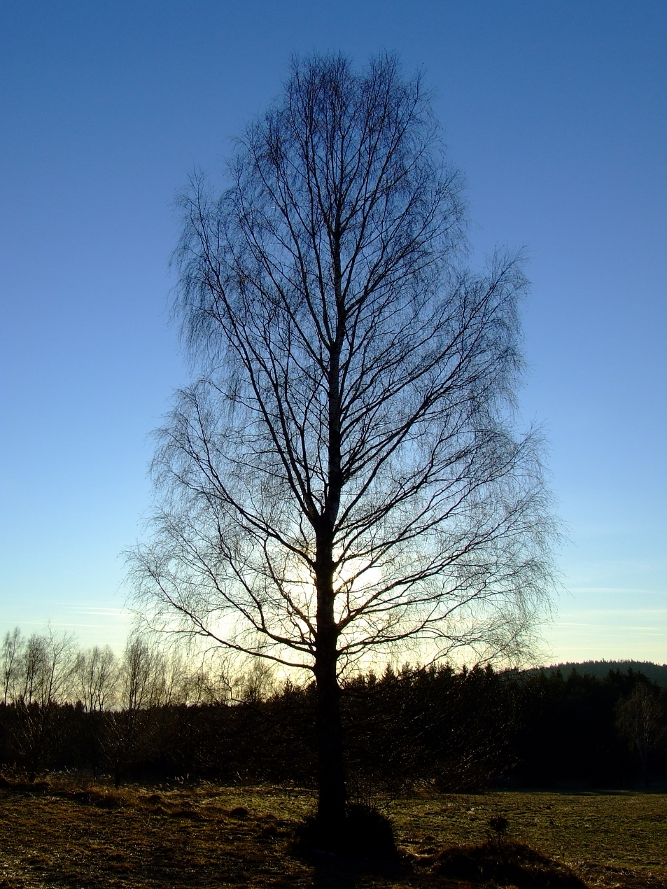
(62, 834)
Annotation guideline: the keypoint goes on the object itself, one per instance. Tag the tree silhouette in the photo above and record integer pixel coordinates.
(344, 474)
(640, 718)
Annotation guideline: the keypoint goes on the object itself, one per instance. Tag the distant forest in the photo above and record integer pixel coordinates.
(153, 717)
(655, 672)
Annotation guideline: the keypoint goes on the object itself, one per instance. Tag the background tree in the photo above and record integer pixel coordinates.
(344, 474)
(96, 676)
(129, 728)
(46, 668)
(10, 663)
(640, 718)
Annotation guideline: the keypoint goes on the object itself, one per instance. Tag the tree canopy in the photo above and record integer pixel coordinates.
(345, 473)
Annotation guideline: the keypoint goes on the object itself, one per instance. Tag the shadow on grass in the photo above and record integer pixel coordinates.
(341, 872)
(365, 833)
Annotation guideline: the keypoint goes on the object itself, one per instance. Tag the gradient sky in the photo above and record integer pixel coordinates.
(555, 111)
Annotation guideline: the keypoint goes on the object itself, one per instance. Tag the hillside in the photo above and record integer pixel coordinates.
(599, 669)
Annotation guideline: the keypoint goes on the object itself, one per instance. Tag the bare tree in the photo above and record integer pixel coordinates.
(129, 727)
(46, 668)
(11, 659)
(48, 662)
(211, 677)
(345, 473)
(96, 674)
(640, 718)
(258, 683)
(33, 667)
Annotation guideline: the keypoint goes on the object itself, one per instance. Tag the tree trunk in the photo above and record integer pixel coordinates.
(331, 776)
(331, 779)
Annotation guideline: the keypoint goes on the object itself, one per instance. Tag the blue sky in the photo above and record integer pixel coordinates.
(555, 111)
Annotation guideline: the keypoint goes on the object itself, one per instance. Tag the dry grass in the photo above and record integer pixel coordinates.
(64, 834)
(610, 839)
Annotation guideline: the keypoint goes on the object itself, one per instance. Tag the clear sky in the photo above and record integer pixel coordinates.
(555, 111)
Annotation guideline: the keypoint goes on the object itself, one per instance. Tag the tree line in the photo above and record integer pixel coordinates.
(164, 714)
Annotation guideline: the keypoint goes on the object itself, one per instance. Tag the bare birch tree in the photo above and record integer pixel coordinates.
(46, 667)
(345, 473)
(10, 664)
(96, 674)
(129, 727)
(640, 717)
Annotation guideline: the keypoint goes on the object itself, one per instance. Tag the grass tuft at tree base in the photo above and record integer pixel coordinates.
(365, 833)
(504, 864)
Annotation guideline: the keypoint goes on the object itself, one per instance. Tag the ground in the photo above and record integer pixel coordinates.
(62, 833)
